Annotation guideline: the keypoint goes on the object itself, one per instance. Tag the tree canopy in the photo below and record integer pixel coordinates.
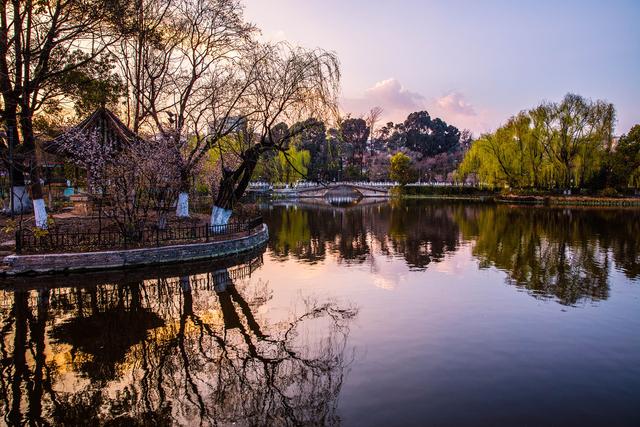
(555, 145)
(401, 169)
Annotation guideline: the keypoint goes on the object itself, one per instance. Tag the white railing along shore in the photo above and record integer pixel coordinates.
(263, 185)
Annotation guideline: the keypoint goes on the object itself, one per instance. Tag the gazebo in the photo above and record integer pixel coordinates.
(103, 122)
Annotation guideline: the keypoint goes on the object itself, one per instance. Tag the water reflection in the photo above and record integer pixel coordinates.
(244, 342)
(564, 254)
(420, 234)
(187, 345)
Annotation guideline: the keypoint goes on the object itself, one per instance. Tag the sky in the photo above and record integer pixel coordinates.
(472, 63)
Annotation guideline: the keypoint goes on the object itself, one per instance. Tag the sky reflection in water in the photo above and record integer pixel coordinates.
(408, 313)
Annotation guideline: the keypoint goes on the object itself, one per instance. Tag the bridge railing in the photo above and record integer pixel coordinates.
(372, 184)
(304, 184)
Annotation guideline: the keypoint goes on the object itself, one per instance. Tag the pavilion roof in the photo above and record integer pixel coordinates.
(103, 122)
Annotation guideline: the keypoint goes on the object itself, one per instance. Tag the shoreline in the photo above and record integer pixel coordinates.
(68, 262)
(532, 200)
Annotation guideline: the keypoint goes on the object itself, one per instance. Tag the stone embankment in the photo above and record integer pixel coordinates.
(118, 259)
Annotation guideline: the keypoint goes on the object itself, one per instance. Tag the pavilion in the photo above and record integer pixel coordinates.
(102, 122)
(56, 153)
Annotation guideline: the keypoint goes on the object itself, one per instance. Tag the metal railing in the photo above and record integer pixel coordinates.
(261, 185)
(60, 240)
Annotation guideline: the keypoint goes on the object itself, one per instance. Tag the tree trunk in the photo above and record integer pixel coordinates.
(39, 208)
(21, 200)
(220, 216)
(182, 207)
(232, 186)
(162, 220)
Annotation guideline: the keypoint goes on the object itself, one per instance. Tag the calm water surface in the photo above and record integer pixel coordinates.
(402, 313)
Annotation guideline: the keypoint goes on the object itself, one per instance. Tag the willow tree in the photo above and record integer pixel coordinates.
(512, 155)
(41, 43)
(292, 164)
(287, 85)
(552, 145)
(625, 161)
(576, 133)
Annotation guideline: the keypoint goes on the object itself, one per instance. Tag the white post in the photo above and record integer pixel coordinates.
(40, 213)
(21, 200)
(219, 216)
(182, 208)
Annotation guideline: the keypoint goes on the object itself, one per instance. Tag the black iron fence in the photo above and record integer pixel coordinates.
(60, 240)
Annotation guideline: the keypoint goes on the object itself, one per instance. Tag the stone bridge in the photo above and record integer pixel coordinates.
(335, 191)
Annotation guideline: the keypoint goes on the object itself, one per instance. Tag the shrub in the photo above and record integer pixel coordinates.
(401, 169)
(609, 192)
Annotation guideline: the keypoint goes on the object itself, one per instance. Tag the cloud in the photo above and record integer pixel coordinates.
(454, 108)
(391, 94)
(396, 100)
(455, 103)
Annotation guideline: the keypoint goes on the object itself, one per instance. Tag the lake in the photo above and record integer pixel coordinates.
(381, 313)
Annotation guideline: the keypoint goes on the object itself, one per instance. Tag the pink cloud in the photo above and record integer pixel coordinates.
(454, 108)
(398, 102)
(455, 103)
(393, 95)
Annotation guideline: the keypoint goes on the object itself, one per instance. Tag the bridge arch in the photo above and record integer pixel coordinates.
(334, 190)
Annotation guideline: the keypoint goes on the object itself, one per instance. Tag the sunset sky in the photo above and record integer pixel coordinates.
(473, 63)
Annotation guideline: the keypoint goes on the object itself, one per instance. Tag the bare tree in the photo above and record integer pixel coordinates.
(139, 53)
(180, 56)
(40, 43)
(372, 117)
(289, 84)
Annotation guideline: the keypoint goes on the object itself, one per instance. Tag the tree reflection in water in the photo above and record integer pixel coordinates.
(193, 344)
(564, 254)
(189, 349)
(419, 233)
